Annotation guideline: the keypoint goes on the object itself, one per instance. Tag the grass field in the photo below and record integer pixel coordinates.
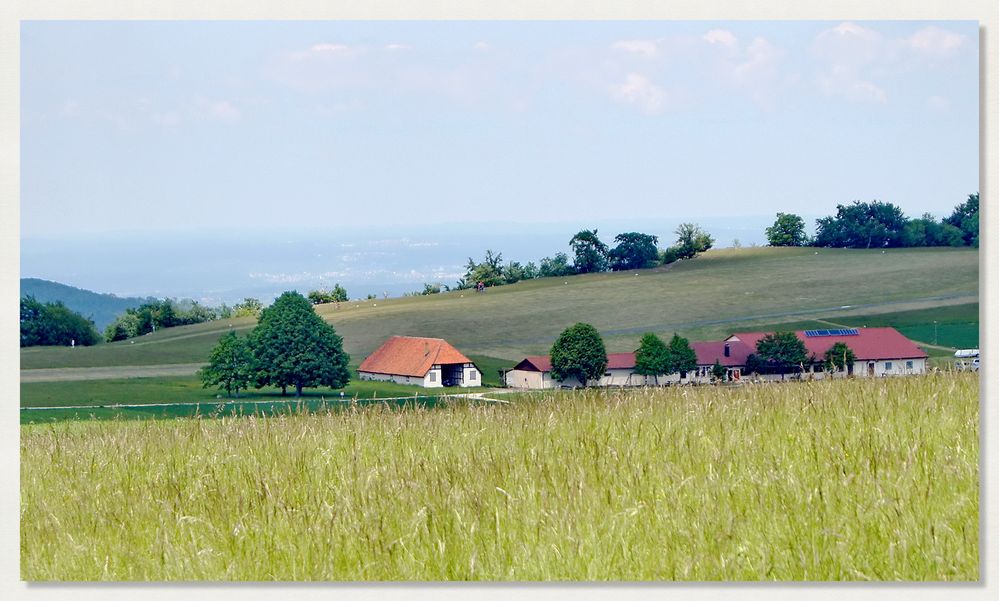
(840, 480)
(705, 298)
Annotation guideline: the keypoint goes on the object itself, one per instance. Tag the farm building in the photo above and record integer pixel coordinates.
(536, 372)
(427, 362)
(878, 352)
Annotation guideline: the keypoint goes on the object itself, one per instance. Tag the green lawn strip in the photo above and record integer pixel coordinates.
(226, 408)
(137, 391)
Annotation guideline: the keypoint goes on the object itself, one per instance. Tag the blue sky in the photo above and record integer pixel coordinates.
(172, 126)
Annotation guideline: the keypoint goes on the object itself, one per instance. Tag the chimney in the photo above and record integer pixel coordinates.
(728, 352)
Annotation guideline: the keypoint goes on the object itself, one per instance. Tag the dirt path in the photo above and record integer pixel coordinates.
(71, 374)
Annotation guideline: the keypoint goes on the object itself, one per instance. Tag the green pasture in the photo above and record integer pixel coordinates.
(704, 298)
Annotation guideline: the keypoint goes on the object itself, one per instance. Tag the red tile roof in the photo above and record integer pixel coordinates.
(870, 344)
(410, 356)
(709, 352)
(620, 360)
(540, 363)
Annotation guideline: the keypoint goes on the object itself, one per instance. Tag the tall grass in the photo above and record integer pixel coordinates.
(844, 480)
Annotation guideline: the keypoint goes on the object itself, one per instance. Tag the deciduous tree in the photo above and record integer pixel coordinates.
(782, 351)
(230, 365)
(590, 252)
(787, 230)
(293, 346)
(634, 251)
(839, 356)
(652, 357)
(579, 352)
(681, 357)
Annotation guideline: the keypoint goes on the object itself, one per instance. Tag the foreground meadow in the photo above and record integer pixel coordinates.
(846, 480)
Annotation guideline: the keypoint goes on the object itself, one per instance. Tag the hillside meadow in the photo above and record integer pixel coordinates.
(828, 480)
(707, 297)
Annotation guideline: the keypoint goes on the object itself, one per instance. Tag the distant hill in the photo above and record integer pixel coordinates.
(101, 308)
(707, 298)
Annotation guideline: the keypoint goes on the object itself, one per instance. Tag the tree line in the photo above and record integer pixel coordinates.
(291, 347)
(54, 324)
(632, 250)
(879, 224)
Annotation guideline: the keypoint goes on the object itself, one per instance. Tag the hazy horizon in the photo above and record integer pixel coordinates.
(216, 159)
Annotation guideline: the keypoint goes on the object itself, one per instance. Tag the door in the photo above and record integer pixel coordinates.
(870, 369)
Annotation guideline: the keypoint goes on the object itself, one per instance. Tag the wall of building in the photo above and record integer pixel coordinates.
(411, 380)
(471, 378)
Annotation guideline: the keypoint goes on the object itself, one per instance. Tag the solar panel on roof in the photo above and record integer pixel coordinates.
(841, 332)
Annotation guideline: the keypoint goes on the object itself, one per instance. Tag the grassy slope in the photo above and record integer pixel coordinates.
(844, 480)
(707, 297)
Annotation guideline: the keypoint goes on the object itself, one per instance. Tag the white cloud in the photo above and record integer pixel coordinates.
(856, 57)
(934, 42)
(396, 46)
(646, 48)
(848, 51)
(760, 62)
(721, 36)
(167, 119)
(844, 82)
(325, 51)
(640, 91)
(224, 110)
(940, 103)
(333, 49)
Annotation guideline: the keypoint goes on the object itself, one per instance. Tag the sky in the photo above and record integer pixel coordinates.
(160, 128)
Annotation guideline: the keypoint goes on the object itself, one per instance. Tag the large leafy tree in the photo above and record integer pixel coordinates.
(54, 324)
(590, 252)
(579, 352)
(862, 225)
(965, 217)
(681, 358)
(652, 357)
(489, 271)
(634, 251)
(690, 240)
(230, 366)
(787, 230)
(926, 231)
(839, 356)
(293, 346)
(556, 266)
(782, 351)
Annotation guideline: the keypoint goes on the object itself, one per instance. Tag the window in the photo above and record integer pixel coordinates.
(887, 365)
(433, 376)
(471, 375)
(908, 364)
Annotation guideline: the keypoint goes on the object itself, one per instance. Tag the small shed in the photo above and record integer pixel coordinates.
(427, 362)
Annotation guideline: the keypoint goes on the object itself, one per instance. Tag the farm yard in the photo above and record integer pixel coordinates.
(832, 480)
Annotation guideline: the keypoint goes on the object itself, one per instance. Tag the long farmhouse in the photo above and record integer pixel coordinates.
(878, 352)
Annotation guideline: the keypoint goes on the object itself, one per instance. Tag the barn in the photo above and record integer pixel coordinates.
(535, 372)
(427, 362)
